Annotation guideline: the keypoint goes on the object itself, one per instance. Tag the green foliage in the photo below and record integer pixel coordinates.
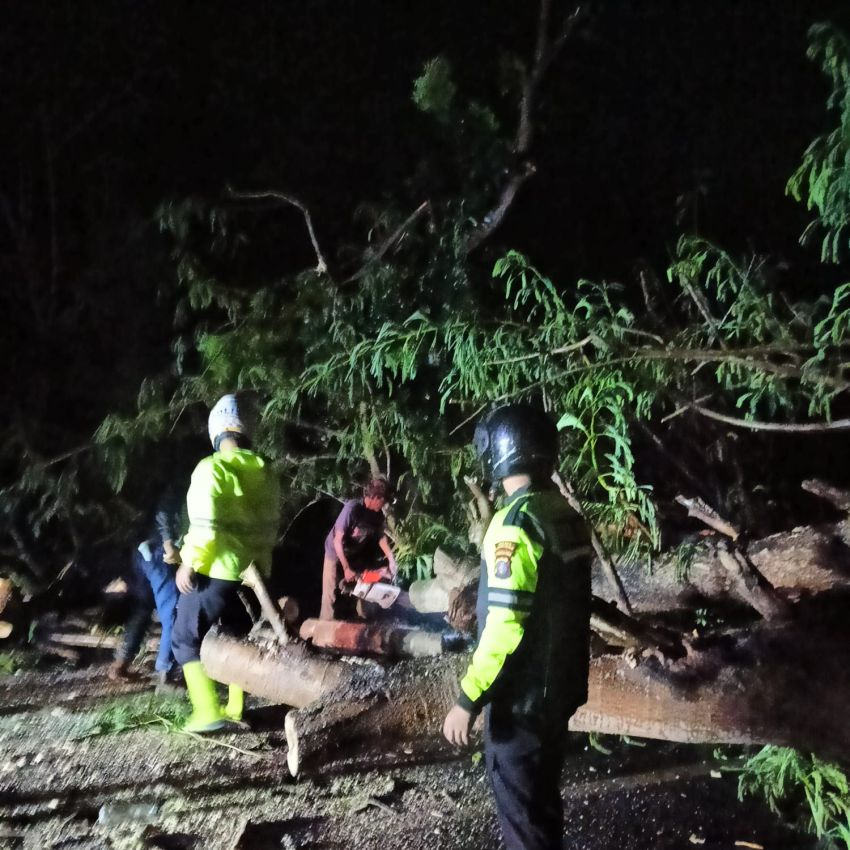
(685, 554)
(123, 715)
(10, 662)
(814, 791)
(434, 91)
(373, 388)
(823, 177)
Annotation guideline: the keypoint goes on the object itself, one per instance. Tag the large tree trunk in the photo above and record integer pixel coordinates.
(776, 685)
(773, 686)
(806, 560)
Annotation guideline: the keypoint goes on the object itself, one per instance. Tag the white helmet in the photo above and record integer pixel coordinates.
(225, 418)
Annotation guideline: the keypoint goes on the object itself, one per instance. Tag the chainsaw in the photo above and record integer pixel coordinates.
(370, 587)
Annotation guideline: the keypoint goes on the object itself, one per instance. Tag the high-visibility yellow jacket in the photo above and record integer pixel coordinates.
(533, 608)
(233, 505)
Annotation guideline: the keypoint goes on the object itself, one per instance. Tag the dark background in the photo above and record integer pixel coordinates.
(661, 116)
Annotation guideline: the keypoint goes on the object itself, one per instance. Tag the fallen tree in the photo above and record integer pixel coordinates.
(748, 687)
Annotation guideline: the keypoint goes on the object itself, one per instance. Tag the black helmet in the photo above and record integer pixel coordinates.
(516, 439)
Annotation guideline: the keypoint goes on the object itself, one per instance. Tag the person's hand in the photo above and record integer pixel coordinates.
(350, 575)
(170, 553)
(456, 726)
(185, 579)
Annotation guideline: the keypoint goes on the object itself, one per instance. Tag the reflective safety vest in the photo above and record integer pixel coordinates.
(533, 609)
(234, 513)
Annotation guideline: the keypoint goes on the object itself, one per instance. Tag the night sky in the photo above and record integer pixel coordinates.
(136, 102)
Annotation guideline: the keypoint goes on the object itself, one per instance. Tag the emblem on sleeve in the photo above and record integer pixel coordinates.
(504, 553)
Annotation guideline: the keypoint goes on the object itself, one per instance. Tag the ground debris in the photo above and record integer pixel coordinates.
(206, 794)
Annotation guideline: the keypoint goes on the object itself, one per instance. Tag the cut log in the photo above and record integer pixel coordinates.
(10, 608)
(89, 641)
(461, 615)
(290, 610)
(294, 676)
(433, 596)
(388, 639)
(406, 709)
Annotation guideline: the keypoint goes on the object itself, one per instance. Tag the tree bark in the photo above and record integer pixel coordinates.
(773, 686)
(807, 560)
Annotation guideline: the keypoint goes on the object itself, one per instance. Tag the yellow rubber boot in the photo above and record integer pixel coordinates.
(235, 703)
(207, 715)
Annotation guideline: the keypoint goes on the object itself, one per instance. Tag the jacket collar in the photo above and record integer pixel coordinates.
(528, 488)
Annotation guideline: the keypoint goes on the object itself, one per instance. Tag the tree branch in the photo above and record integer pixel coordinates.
(777, 427)
(283, 198)
(837, 497)
(605, 561)
(392, 239)
(545, 51)
(698, 509)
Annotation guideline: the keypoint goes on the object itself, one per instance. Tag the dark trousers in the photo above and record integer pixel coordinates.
(524, 760)
(212, 601)
(151, 584)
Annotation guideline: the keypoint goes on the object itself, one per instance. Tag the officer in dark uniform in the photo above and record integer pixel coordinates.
(529, 670)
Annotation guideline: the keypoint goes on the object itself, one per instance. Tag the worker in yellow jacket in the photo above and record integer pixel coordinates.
(233, 507)
(529, 670)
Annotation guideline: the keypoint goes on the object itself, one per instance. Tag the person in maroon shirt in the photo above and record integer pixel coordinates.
(357, 542)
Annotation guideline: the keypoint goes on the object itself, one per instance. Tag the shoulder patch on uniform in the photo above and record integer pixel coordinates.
(504, 553)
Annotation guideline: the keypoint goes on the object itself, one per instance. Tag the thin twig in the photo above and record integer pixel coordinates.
(470, 418)
(538, 354)
(217, 743)
(385, 246)
(684, 408)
